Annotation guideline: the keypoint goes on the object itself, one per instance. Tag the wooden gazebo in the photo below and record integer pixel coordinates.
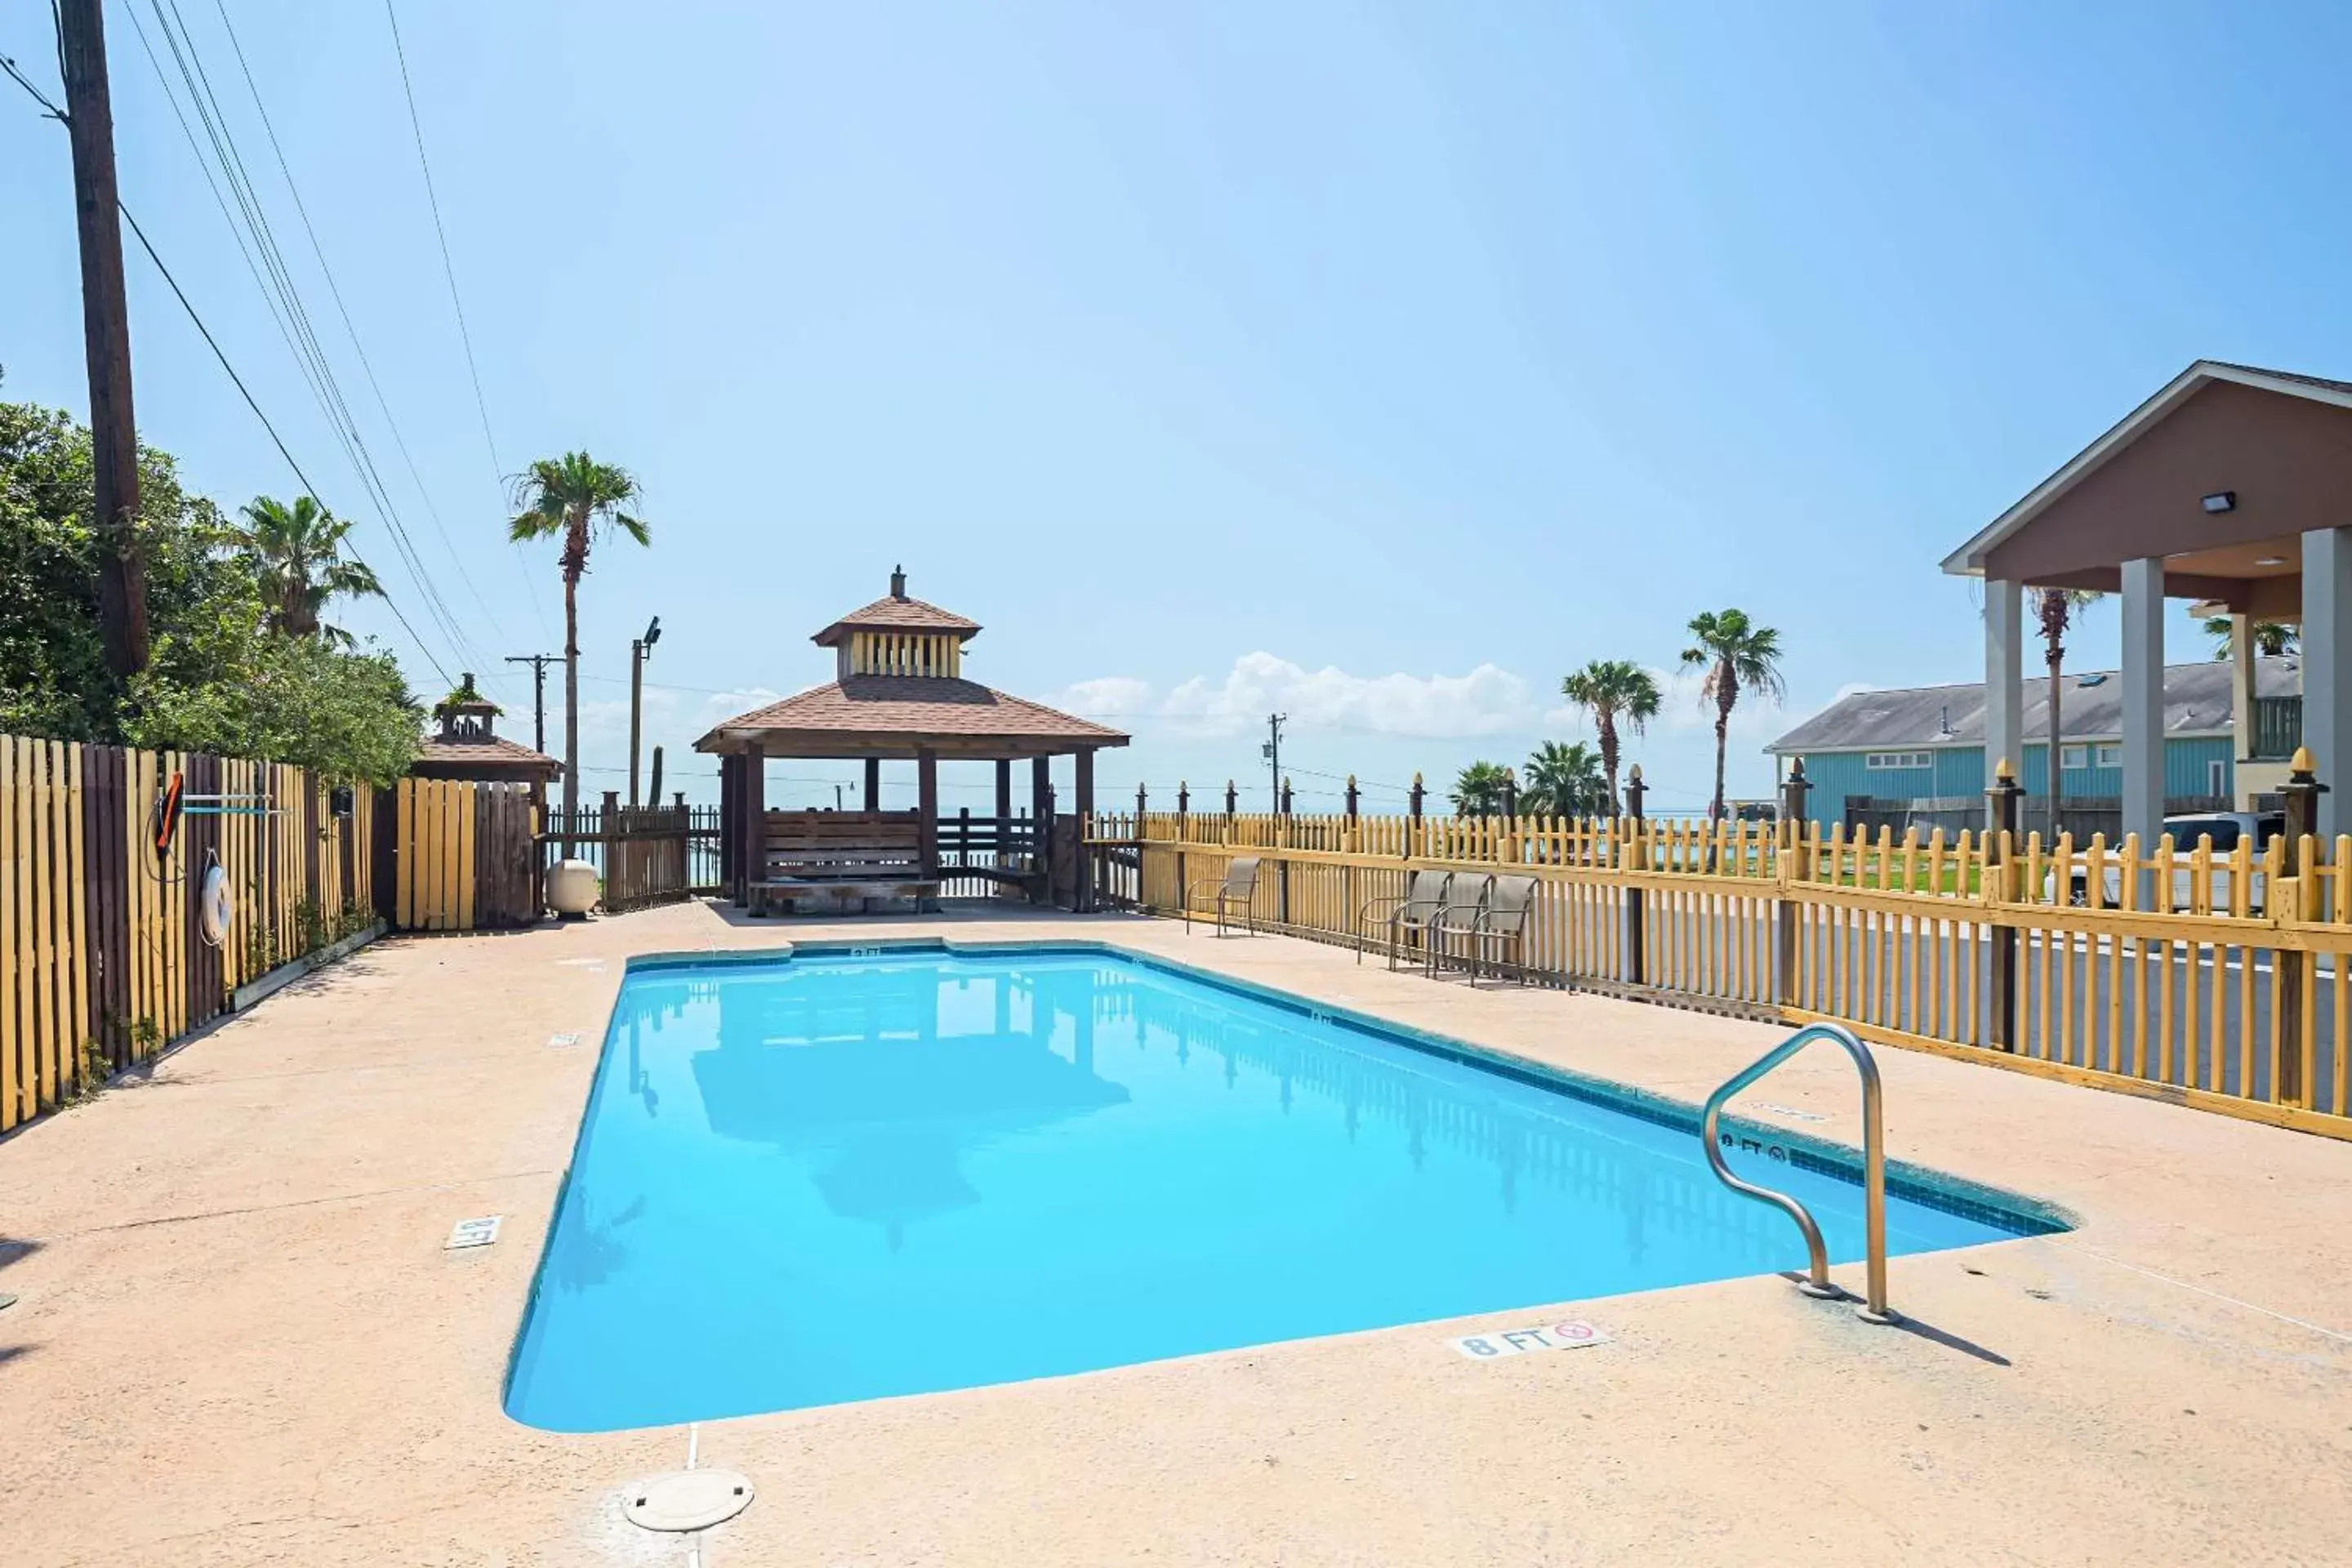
(465, 744)
(899, 693)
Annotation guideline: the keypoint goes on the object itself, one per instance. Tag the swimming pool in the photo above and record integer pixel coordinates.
(829, 1177)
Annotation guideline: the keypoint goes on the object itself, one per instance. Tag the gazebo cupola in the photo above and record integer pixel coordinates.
(899, 635)
(466, 714)
(465, 744)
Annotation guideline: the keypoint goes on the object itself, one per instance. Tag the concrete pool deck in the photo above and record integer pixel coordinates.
(240, 1341)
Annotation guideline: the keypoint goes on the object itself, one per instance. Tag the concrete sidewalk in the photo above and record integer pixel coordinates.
(239, 1341)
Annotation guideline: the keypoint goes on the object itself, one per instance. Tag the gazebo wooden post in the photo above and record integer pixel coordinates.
(751, 831)
(1004, 805)
(927, 813)
(1041, 819)
(872, 784)
(731, 872)
(1084, 807)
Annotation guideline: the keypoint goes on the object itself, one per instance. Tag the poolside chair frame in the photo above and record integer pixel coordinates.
(1502, 920)
(1237, 884)
(1403, 907)
(1456, 916)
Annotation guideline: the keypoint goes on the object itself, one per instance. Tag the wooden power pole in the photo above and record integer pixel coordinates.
(106, 332)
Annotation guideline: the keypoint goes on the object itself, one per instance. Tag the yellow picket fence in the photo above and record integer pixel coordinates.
(2218, 979)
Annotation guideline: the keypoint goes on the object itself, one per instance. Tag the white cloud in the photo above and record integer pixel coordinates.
(1108, 697)
(1487, 701)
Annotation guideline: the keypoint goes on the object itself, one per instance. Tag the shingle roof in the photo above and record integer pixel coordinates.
(497, 749)
(2319, 380)
(2196, 702)
(894, 614)
(909, 706)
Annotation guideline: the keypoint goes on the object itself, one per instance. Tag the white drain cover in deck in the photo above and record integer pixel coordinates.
(688, 1499)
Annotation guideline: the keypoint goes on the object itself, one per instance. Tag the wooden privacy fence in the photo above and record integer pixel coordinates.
(2216, 979)
(103, 959)
(644, 854)
(464, 856)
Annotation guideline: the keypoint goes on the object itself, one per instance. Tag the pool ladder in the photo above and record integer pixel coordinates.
(1874, 1167)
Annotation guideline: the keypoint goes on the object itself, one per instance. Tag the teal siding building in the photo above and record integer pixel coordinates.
(1925, 744)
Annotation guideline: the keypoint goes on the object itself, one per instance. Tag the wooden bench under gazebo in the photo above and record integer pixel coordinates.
(900, 694)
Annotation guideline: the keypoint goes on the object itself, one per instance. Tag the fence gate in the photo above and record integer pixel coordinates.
(466, 856)
(644, 856)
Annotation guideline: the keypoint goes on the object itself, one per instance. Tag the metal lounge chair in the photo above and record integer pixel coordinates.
(1458, 914)
(1503, 923)
(1236, 887)
(1412, 911)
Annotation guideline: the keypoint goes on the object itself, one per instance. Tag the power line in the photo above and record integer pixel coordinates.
(213, 343)
(274, 277)
(457, 304)
(319, 252)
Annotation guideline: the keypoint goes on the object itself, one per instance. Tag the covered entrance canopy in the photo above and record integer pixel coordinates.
(899, 693)
(2231, 486)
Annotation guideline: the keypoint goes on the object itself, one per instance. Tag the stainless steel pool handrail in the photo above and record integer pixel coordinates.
(1874, 1166)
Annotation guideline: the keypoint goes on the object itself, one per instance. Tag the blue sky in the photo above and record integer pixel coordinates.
(1380, 363)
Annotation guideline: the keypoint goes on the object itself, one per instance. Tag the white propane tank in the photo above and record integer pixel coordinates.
(572, 888)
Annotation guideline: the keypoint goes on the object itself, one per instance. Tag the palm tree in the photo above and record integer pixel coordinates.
(1614, 689)
(1563, 780)
(1739, 656)
(2054, 608)
(1478, 790)
(2273, 639)
(296, 552)
(579, 498)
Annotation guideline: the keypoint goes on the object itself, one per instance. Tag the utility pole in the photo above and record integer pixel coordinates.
(539, 663)
(638, 649)
(1272, 752)
(105, 336)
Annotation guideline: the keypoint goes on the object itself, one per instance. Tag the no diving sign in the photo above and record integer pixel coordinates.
(1568, 1336)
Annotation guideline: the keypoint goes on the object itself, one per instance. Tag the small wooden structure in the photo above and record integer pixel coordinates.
(466, 746)
(899, 693)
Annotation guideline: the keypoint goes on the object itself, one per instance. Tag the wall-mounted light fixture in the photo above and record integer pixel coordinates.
(2221, 500)
(2270, 560)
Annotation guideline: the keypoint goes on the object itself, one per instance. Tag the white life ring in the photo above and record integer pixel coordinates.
(213, 906)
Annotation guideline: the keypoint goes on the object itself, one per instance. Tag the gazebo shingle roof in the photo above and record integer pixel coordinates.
(896, 613)
(496, 749)
(914, 705)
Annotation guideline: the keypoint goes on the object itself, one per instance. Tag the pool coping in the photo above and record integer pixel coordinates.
(2018, 1214)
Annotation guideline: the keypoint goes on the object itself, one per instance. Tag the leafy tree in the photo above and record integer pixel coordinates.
(577, 498)
(202, 601)
(297, 554)
(1563, 781)
(1478, 790)
(295, 700)
(2273, 639)
(2054, 610)
(1615, 691)
(216, 681)
(1739, 656)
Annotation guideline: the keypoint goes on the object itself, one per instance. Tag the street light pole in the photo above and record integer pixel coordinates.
(638, 649)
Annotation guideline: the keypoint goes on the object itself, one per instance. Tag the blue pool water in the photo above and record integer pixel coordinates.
(828, 1179)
